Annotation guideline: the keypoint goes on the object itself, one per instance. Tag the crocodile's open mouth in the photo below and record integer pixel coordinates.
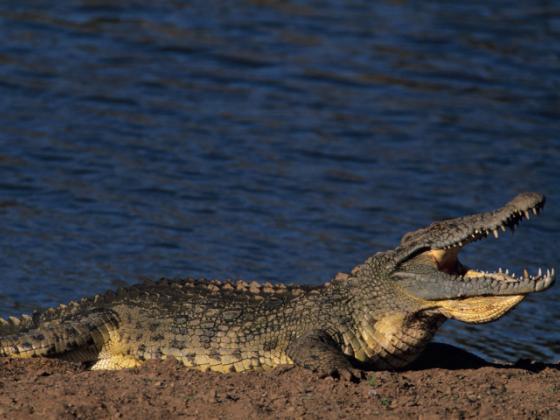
(446, 259)
(462, 292)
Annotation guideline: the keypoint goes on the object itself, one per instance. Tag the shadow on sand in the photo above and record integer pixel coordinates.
(445, 356)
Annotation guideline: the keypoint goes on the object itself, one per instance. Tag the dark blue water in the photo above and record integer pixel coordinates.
(269, 140)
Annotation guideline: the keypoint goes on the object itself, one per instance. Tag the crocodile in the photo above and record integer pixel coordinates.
(381, 315)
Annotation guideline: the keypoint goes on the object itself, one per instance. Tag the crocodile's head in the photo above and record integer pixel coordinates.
(427, 267)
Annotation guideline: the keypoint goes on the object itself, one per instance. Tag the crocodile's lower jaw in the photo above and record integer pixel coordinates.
(479, 310)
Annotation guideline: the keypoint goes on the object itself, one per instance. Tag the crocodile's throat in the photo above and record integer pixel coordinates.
(393, 341)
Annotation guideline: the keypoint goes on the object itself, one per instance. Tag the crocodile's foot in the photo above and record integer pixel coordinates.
(318, 352)
(346, 374)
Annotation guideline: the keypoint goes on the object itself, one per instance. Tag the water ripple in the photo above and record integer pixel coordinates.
(281, 141)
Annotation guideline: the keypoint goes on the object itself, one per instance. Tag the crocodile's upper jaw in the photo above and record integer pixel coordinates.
(433, 272)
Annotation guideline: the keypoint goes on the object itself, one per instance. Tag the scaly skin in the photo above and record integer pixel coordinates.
(381, 315)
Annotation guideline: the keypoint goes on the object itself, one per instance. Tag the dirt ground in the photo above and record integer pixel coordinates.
(446, 383)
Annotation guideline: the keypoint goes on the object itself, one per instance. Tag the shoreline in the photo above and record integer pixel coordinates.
(445, 382)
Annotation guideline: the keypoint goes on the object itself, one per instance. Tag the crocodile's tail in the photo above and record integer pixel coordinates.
(79, 337)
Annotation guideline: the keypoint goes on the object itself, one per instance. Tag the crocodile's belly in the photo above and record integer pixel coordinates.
(200, 344)
(205, 359)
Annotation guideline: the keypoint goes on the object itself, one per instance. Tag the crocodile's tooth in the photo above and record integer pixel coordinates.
(507, 271)
(540, 272)
(503, 228)
(495, 232)
(525, 273)
(535, 211)
(500, 270)
(526, 212)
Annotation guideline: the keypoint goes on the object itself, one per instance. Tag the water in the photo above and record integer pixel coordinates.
(268, 140)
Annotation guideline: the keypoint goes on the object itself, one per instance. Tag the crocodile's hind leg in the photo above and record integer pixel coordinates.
(90, 338)
(115, 362)
(110, 357)
(115, 355)
(318, 352)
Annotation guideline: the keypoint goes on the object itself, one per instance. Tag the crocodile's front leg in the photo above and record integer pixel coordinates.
(317, 351)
